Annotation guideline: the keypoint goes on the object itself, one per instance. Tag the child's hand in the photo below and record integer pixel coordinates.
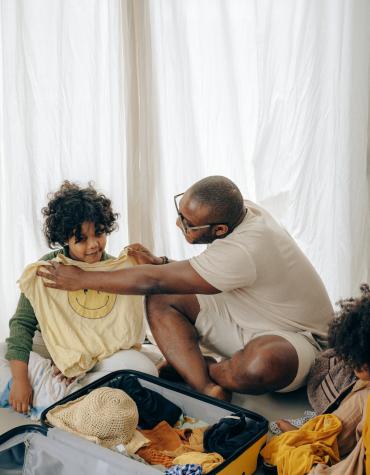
(20, 397)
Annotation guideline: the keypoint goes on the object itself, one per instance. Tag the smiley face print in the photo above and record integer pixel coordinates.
(90, 303)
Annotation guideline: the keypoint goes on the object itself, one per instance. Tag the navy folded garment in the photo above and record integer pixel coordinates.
(230, 433)
(152, 407)
(188, 469)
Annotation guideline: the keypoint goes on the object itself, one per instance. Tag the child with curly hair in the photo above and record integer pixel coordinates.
(349, 333)
(77, 222)
(349, 342)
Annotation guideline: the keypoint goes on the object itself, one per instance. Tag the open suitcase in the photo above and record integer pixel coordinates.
(45, 450)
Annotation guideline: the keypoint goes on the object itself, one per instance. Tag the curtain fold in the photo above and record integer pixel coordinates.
(145, 97)
(62, 115)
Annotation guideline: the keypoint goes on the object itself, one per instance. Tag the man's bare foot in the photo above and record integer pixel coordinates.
(168, 372)
(285, 426)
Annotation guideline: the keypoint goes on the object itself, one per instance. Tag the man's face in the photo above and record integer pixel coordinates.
(194, 214)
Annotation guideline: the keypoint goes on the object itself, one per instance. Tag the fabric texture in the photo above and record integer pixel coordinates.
(24, 324)
(355, 462)
(298, 422)
(329, 380)
(167, 443)
(105, 416)
(207, 461)
(295, 452)
(47, 388)
(83, 327)
(366, 437)
(186, 422)
(152, 406)
(266, 281)
(188, 469)
(230, 433)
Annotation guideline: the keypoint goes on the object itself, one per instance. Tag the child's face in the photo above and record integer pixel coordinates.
(91, 246)
(363, 373)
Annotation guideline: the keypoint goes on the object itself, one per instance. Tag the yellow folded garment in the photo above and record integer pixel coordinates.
(207, 461)
(83, 327)
(296, 451)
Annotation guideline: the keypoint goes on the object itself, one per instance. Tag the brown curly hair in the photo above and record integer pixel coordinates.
(72, 205)
(349, 332)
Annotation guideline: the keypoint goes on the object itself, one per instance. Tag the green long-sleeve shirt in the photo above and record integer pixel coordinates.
(24, 323)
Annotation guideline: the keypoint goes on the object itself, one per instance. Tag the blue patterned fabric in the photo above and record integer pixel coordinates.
(188, 469)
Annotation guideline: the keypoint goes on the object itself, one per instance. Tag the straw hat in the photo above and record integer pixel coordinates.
(105, 416)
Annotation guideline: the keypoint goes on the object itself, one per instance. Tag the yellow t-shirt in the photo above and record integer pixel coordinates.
(83, 327)
(295, 452)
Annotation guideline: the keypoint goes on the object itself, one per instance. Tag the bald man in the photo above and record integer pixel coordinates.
(252, 296)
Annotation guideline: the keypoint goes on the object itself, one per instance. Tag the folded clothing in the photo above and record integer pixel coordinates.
(152, 406)
(166, 443)
(186, 422)
(207, 461)
(230, 433)
(188, 469)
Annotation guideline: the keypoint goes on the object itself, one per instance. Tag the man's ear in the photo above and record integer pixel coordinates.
(221, 230)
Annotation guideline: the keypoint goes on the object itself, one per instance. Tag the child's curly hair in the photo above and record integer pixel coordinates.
(349, 332)
(72, 205)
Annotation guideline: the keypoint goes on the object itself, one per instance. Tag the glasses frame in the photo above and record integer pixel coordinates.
(184, 226)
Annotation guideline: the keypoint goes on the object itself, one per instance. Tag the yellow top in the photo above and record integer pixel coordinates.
(296, 451)
(83, 327)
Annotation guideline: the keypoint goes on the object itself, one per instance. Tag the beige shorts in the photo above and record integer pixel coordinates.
(224, 337)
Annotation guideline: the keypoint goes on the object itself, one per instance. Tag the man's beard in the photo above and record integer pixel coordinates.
(206, 238)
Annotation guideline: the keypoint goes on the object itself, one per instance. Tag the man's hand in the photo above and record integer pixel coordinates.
(60, 276)
(142, 255)
(20, 396)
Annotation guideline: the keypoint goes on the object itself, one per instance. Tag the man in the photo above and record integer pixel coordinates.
(252, 296)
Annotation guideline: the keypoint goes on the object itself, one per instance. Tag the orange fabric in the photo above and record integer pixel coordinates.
(164, 437)
(155, 457)
(193, 444)
(167, 443)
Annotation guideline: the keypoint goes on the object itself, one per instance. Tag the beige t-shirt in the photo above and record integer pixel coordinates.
(83, 327)
(267, 282)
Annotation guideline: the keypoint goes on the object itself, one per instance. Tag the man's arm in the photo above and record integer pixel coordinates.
(173, 278)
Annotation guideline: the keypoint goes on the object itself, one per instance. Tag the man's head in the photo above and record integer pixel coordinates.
(210, 209)
(349, 333)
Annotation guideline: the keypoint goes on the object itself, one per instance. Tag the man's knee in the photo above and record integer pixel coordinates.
(261, 368)
(253, 374)
(159, 306)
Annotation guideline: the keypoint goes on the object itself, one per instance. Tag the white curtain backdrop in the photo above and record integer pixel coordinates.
(145, 97)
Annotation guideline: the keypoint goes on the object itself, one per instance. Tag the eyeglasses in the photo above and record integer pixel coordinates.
(184, 225)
